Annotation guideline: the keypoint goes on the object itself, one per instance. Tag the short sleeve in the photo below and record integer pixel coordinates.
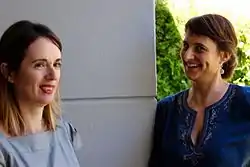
(2, 160)
(74, 136)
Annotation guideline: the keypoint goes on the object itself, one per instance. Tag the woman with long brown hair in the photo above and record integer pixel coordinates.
(32, 131)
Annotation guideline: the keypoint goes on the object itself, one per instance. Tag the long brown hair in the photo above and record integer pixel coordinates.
(13, 46)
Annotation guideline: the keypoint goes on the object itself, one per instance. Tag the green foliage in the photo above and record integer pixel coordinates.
(242, 73)
(170, 74)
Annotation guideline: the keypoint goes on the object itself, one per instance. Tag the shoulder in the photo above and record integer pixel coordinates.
(5, 157)
(240, 103)
(170, 100)
(72, 133)
(2, 159)
(245, 90)
(167, 105)
(243, 94)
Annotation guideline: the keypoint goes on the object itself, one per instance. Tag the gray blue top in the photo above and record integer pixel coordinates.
(47, 149)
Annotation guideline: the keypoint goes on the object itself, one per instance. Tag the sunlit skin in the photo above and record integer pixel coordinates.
(39, 71)
(202, 62)
(201, 58)
(37, 80)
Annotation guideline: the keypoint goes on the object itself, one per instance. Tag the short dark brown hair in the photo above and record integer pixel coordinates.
(221, 31)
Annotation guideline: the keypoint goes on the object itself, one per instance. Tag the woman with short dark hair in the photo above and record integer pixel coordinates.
(207, 125)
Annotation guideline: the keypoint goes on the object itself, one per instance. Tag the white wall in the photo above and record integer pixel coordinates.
(108, 83)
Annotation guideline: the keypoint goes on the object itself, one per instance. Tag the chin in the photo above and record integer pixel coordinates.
(193, 77)
(44, 101)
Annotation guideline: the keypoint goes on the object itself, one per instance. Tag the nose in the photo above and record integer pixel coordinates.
(189, 54)
(51, 73)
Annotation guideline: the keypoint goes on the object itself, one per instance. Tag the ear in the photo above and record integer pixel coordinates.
(6, 73)
(225, 56)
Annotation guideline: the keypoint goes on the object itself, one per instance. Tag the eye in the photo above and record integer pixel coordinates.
(40, 65)
(199, 49)
(58, 65)
(184, 46)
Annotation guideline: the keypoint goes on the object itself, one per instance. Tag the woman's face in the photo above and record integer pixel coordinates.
(201, 58)
(38, 78)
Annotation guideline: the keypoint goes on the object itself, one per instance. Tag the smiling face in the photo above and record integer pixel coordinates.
(201, 58)
(38, 78)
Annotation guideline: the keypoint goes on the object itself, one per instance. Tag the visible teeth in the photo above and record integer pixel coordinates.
(192, 65)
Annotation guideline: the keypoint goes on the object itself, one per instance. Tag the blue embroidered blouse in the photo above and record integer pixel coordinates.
(223, 142)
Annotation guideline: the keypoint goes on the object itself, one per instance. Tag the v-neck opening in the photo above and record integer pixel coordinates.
(202, 134)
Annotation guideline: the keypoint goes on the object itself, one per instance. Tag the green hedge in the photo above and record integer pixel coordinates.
(170, 74)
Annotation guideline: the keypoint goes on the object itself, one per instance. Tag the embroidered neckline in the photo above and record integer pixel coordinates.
(194, 152)
(214, 105)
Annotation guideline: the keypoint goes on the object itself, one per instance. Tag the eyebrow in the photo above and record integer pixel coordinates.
(196, 43)
(45, 60)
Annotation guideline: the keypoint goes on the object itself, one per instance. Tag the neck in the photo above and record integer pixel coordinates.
(203, 94)
(32, 116)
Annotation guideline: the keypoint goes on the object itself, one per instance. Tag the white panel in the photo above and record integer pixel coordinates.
(115, 133)
(108, 45)
(108, 52)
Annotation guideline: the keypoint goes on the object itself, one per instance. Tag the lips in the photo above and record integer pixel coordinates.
(193, 65)
(48, 89)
